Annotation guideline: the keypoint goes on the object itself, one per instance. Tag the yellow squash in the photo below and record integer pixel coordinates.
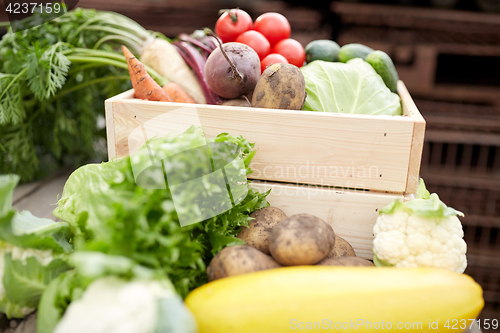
(361, 299)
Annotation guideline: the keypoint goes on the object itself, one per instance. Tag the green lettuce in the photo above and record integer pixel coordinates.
(25, 280)
(353, 88)
(111, 214)
(32, 253)
(63, 290)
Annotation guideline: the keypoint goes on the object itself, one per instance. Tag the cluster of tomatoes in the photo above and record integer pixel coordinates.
(269, 36)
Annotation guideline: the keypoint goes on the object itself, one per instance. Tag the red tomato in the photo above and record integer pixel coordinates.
(273, 58)
(273, 26)
(256, 41)
(292, 50)
(231, 24)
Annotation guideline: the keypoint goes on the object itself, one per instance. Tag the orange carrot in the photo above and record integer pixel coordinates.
(177, 93)
(144, 85)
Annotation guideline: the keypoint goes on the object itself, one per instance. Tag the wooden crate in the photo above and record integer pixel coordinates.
(380, 153)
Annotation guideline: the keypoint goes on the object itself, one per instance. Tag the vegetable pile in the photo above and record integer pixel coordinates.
(123, 261)
(118, 239)
(54, 77)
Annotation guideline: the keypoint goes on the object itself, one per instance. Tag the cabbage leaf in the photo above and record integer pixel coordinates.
(353, 88)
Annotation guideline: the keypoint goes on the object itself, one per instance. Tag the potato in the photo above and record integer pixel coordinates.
(342, 248)
(237, 260)
(301, 239)
(345, 261)
(281, 86)
(258, 231)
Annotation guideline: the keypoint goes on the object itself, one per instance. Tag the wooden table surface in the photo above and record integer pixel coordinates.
(40, 199)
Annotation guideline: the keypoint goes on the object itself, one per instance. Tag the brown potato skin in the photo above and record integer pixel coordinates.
(237, 260)
(258, 231)
(281, 86)
(342, 248)
(301, 239)
(345, 261)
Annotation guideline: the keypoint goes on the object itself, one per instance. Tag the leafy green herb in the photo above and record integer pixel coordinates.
(54, 79)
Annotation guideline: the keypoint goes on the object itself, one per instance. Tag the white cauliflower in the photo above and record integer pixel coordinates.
(423, 232)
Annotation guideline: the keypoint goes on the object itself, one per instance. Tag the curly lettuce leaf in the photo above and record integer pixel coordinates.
(425, 205)
(353, 88)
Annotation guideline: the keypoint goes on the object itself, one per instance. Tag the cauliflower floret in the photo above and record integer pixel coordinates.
(403, 239)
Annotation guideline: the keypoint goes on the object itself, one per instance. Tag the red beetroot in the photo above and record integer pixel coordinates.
(233, 72)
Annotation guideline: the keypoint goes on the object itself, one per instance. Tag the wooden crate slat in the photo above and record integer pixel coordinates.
(417, 145)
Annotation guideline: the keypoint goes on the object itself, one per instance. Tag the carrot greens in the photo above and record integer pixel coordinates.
(53, 81)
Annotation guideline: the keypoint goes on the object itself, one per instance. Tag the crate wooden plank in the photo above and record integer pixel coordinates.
(417, 145)
(351, 213)
(351, 151)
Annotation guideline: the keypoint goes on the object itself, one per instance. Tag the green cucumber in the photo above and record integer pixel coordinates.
(351, 51)
(322, 49)
(383, 65)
